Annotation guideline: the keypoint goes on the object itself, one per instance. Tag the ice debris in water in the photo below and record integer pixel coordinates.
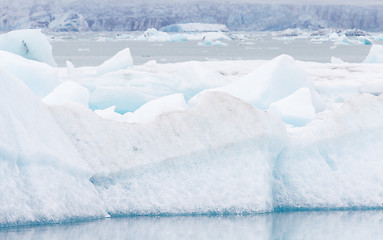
(123, 59)
(272, 82)
(375, 55)
(295, 109)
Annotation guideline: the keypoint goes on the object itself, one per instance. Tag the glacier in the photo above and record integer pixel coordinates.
(193, 138)
(133, 15)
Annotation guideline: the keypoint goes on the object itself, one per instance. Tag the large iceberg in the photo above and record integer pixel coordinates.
(335, 162)
(44, 179)
(214, 157)
(195, 27)
(39, 77)
(229, 137)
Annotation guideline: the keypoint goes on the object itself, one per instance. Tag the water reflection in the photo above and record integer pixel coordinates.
(293, 225)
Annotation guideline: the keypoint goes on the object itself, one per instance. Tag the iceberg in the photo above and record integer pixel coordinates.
(195, 27)
(154, 35)
(111, 114)
(214, 157)
(121, 60)
(271, 82)
(44, 178)
(214, 137)
(334, 163)
(375, 54)
(41, 78)
(152, 109)
(68, 92)
(295, 109)
(28, 43)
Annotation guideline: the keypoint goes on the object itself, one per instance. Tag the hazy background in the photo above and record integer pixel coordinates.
(237, 15)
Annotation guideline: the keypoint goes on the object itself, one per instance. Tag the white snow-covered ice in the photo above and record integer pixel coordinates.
(212, 137)
(29, 43)
(195, 27)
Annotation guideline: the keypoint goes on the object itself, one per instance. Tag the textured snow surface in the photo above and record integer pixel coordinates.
(44, 178)
(216, 156)
(335, 162)
(187, 138)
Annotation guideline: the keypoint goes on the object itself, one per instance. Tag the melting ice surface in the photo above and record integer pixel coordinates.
(190, 138)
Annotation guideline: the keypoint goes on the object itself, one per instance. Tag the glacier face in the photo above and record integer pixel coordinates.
(89, 16)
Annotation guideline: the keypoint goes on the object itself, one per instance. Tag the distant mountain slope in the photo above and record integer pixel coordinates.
(113, 16)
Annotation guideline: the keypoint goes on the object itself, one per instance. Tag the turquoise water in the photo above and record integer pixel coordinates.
(286, 225)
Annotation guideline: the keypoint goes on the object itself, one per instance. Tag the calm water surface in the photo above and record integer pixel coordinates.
(288, 225)
(89, 49)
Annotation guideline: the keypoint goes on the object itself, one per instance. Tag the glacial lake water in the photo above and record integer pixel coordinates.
(90, 49)
(285, 225)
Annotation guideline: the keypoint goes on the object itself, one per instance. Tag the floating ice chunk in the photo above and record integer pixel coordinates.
(151, 110)
(345, 41)
(151, 63)
(109, 113)
(68, 91)
(29, 43)
(333, 36)
(154, 35)
(123, 59)
(336, 60)
(178, 38)
(39, 77)
(215, 36)
(375, 55)
(195, 27)
(208, 42)
(44, 179)
(290, 32)
(214, 157)
(130, 89)
(365, 41)
(295, 109)
(271, 82)
(219, 43)
(70, 67)
(335, 162)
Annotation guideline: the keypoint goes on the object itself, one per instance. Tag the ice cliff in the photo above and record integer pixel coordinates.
(134, 16)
